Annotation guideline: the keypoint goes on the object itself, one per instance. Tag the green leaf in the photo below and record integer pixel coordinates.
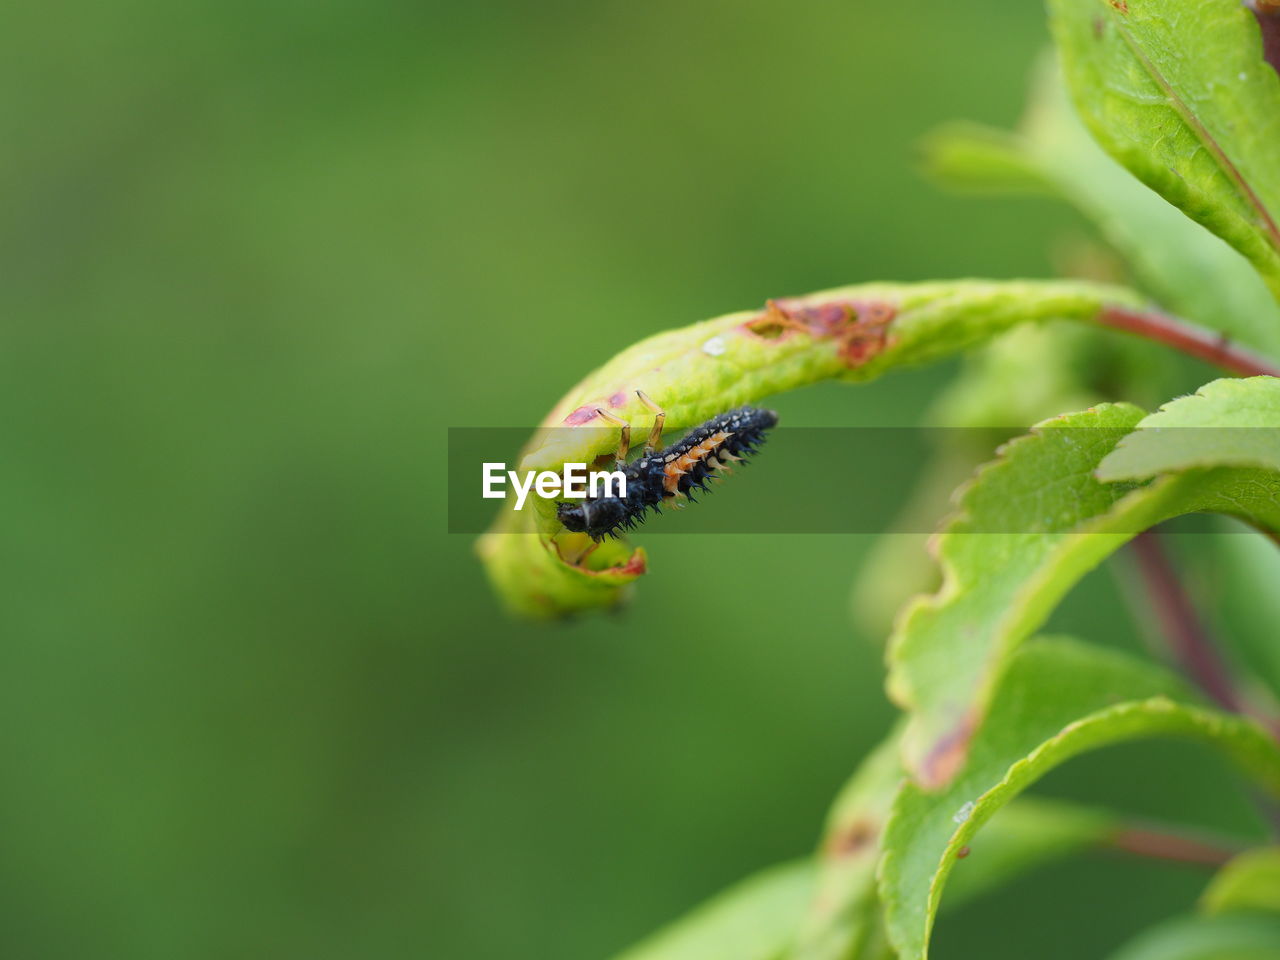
(989, 395)
(1188, 269)
(1058, 699)
(1178, 92)
(1028, 528)
(1250, 882)
(852, 333)
(530, 575)
(991, 399)
(753, 920)
(1225, 423)
(844, 921)
(1030, 832)
(1238, 937)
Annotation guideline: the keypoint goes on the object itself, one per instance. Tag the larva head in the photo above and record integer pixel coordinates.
(592, 517)
(755, 418)
(573, 516)
(746, 427)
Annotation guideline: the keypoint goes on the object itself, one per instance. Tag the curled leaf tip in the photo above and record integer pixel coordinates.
(695, 373)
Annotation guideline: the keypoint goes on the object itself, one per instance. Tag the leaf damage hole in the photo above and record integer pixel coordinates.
(774, 324)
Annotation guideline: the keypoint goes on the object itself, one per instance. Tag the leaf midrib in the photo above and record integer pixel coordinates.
(1206, 139)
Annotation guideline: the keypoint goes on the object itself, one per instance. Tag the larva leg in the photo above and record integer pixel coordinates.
(659, 419)
(624, 437)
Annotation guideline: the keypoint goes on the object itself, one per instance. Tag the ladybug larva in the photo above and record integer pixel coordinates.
(667, 475)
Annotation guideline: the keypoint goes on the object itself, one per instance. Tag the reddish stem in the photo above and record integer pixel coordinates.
(1195, 341)
(1162, 845)
(1192, 646)
(1268, 14)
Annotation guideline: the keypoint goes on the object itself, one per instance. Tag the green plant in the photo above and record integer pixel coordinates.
(1181, 94)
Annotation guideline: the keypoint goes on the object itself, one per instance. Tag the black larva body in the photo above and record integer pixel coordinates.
(669, 474)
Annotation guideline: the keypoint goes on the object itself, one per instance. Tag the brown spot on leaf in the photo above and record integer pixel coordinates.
(823, 319)
(859, 326)
(946, 758)
(876, 313)
(861, 347)
(1120, 5)
(850, 839)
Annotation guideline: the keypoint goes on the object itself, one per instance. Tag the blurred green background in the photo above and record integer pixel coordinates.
(257, 257)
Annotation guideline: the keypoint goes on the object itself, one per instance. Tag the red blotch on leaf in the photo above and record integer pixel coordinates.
(581, 415)
(860, 327)
(947, 756)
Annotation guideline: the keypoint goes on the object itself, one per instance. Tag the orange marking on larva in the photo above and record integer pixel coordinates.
(672, 482)
(675, 469)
